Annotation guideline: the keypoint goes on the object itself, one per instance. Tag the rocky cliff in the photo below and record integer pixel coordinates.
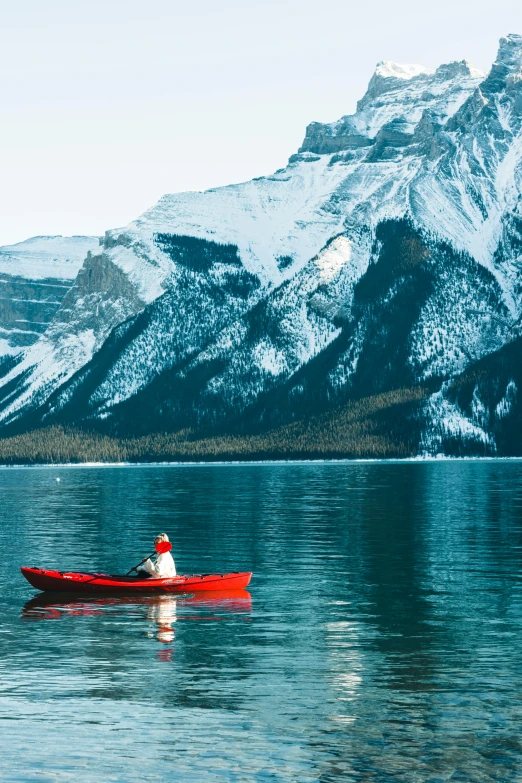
(35, 275)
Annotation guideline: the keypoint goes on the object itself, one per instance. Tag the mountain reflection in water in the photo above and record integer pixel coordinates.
(381, 638)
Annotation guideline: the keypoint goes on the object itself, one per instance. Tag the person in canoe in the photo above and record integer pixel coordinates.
(163, 565)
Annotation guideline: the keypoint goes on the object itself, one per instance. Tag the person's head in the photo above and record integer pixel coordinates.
(160, 538)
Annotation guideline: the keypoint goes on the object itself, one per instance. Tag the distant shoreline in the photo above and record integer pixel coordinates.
(261, 463)
(382, 427)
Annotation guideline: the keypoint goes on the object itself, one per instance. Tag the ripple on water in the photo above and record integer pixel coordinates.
(380, 638)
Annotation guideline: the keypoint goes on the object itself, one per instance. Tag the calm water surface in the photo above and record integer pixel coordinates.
(381, 638)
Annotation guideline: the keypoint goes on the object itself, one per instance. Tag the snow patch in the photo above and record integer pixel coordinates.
(39, 258)
(503, 408)
(269, 359)
(333, 258)
(446, 420)
(391, 70)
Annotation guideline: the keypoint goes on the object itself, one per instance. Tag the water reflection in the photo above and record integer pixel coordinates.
(161, 611)
(160, 608)
(163, 614)
(383, 641)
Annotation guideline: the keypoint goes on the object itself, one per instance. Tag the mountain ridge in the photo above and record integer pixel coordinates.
(391, 243)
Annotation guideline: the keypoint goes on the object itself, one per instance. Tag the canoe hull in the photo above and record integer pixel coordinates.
(77, 582)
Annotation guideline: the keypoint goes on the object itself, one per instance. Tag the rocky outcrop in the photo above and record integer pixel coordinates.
(397, 98)
(26, 309)
(101, 297)
(35, 275)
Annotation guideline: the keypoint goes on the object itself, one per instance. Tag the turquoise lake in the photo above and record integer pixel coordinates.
(380, 638)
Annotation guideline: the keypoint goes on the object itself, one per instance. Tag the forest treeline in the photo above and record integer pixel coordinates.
(381, 426)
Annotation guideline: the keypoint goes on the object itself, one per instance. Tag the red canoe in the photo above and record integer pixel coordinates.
(72, 582)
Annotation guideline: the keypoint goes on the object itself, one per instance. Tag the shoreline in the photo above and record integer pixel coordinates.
(250, 463)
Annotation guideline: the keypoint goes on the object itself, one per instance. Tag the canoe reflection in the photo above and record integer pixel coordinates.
(161, 609)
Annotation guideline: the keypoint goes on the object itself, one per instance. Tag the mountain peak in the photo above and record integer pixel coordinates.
(458, 68)
(510, 51)
(506, 66)
(396, 93)
(390, 70)
(396, 79)
(389, 76)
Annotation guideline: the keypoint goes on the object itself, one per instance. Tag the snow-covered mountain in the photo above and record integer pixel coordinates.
(386, 254)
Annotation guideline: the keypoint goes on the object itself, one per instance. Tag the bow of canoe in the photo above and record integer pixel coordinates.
(78, 582)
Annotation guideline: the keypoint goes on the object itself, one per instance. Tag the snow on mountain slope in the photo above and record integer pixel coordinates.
(231, 357)
(35, 275)
(41, 258)
(369, 327)
(271, 218)
(137, 349)
(100, 297)
(276, 222)
(479, 411)
(283, 262)
(292, 214)
(475, 182)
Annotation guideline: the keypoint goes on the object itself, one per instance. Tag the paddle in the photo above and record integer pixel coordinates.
(161, 547)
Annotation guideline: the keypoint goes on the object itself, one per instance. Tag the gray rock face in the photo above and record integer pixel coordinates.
(505, 71)
(396, 98)
(323, 139)
(100, 298)
(27, 307)
(35, 275)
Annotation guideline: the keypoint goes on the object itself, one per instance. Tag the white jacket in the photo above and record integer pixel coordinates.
(164, 566)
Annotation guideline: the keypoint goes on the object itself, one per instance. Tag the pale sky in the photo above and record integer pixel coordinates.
(105, 105)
